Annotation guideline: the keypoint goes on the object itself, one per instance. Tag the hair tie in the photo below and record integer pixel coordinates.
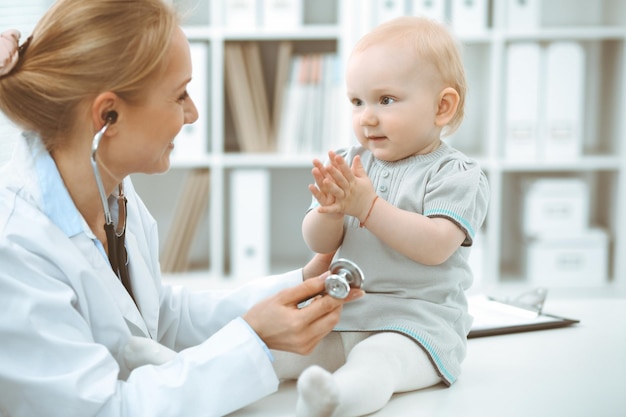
(9, 50)
(22, 49)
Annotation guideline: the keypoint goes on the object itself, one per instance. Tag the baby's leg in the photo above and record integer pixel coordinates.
(328, 354)
(376, 368)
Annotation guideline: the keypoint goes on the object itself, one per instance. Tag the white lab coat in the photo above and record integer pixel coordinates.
(65, 316)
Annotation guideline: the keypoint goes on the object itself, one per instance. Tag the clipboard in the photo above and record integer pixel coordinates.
(497, 317)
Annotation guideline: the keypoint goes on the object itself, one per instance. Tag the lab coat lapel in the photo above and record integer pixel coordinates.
(113, 285)
(143, 285)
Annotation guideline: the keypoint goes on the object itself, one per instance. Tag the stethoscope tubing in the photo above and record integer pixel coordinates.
(118, 257)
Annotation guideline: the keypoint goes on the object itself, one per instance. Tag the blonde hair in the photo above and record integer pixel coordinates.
(79, 49)
(432, 42)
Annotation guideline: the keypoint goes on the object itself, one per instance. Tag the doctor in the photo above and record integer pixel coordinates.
(100, 87)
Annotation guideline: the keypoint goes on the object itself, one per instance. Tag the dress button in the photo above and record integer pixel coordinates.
(385, 174)
(383, 188)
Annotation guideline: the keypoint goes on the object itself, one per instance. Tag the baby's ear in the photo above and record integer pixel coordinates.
(141, 351)
(448, 102)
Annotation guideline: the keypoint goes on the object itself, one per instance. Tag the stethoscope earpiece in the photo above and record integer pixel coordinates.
(111, 117)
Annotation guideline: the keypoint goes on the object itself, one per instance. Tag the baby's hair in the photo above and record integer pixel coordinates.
(431, 41)
(79, 49)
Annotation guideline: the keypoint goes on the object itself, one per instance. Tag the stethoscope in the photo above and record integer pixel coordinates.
(344, 275)
(118, 257)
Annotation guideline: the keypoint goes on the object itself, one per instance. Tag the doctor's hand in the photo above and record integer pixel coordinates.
(283, 326)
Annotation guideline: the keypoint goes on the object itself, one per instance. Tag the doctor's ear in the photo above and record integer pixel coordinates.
(110, 117)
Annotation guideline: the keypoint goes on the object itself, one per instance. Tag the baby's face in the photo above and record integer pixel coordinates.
(394, 97)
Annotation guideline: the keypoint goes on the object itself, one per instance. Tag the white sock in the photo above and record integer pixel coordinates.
(317, 393)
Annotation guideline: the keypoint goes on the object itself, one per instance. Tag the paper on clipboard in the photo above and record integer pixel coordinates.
(493, 317)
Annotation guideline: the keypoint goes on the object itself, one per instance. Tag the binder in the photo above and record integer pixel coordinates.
(189, 211)
(250, 222)
(192, 141)
(246, 96)
(258, 95)
(281, 82)
(494, 317)
(522, 101)
(469, 17)
(564, 98)
(282, 14)
(240, 14)
(385, 10)
(432, 9)
(523, 14)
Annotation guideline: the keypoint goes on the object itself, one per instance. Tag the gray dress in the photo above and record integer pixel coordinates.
(426, 303)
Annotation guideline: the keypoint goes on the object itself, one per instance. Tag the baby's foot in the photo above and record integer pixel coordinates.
(317, 393)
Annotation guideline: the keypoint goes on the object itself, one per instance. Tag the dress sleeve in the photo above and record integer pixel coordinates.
(459, 191)
(189, 317)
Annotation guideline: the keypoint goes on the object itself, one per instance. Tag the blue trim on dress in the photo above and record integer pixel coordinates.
(419, 339)
(454, 216)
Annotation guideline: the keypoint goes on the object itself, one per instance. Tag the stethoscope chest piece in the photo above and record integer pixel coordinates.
(345, 274)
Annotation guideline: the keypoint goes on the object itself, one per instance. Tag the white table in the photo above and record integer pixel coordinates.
(578, 371)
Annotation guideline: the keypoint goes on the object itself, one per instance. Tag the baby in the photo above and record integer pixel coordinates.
(404, 206)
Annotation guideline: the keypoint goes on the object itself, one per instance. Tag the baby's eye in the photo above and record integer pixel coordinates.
(386, 100)
(356, 102)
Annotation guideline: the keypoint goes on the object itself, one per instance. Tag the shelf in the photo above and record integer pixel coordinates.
(334, 26)
(588, 163)
(569, 33)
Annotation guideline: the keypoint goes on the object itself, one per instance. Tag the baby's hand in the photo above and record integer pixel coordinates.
(324, 184)
(347, 190)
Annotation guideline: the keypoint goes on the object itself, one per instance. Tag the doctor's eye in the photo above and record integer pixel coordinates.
(184, 96)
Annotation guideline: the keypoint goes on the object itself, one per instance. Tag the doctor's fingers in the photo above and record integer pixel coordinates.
(307, 289)
(322, 315)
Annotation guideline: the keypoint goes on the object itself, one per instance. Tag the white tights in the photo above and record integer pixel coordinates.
(377, 366)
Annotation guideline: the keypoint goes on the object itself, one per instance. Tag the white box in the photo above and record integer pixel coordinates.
(556, 207)
(250, 222)
(580, 261)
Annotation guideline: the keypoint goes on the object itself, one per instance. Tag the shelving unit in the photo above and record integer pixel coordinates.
(599, 26)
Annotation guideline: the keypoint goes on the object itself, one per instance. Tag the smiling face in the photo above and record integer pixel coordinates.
(148, 128)
(395, 100)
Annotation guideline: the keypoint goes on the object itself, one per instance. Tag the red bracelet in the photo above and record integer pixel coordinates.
(362, 224)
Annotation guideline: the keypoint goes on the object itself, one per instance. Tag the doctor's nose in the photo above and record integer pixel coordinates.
(191, 111)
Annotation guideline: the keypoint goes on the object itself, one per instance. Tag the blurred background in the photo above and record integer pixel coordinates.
(544, 117)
